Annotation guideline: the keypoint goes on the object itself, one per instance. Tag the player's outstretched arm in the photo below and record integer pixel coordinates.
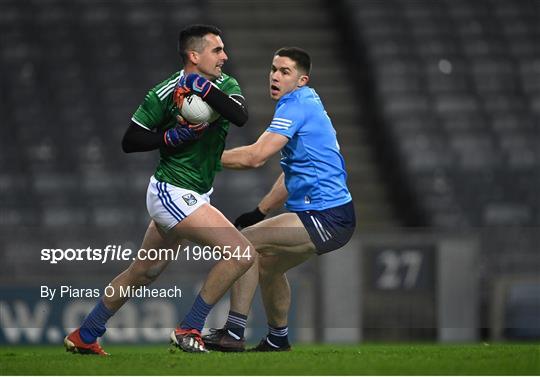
(271, 201)
(276, 197)
(254, 155)
(233, 107)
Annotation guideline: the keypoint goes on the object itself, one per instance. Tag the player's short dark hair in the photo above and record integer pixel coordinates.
(191, 37)
(298, 55)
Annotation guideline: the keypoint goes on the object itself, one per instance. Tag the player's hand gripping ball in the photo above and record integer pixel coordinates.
(196, 84)
(188, 96)
(198, 128)
(184, 132)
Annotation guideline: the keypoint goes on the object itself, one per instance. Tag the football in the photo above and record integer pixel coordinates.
(196, 111)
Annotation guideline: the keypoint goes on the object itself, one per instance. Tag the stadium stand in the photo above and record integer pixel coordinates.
(457, 87)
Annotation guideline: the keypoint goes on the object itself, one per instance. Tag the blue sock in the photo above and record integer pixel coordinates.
(94, 324)
(278, 336)
(236, 324)
(197, 315)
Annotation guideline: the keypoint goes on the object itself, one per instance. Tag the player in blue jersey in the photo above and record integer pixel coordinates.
(313, 188)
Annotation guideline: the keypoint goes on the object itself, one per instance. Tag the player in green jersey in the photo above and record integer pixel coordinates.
(194, 165)
(178, 192)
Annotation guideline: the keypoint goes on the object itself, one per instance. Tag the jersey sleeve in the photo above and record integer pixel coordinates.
(151, 113)
(287, 119)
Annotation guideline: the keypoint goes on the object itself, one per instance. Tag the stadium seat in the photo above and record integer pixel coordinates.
(458, 88)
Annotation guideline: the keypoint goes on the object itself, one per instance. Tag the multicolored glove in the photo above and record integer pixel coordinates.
(194, 127)
(180, 92)
(179, 135)
(184, 132)
(196, 84)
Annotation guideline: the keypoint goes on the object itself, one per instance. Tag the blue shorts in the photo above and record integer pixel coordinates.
(331, 228)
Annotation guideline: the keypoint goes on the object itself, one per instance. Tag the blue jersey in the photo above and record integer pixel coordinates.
(314, 169)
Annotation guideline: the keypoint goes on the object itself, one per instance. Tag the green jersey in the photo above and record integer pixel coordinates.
(194, 165)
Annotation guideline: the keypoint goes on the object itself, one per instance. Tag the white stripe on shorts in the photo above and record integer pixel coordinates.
(318, 229)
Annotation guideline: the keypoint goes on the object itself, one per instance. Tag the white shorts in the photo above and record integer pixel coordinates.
(168, 204)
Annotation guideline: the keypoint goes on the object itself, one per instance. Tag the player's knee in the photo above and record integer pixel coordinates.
(261, 239)
(246, 262)
(242, 262)
(146, 275)
(152, 273)
(251, 233)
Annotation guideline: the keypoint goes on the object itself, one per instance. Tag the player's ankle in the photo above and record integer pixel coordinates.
(197, 315)
(86, 336)
(236, 324)
(278, 337)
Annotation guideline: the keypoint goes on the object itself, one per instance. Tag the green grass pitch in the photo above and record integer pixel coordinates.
(363, 359)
